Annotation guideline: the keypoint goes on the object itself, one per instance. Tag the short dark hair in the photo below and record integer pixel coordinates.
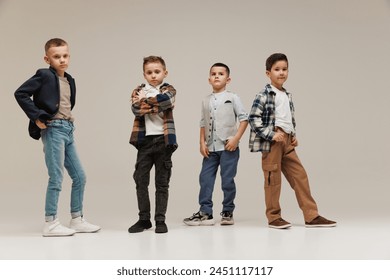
(273, 58)
(153, 59)
(55, 42)
(220, 64)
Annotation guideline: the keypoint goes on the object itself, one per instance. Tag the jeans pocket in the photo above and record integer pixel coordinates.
(168, 164)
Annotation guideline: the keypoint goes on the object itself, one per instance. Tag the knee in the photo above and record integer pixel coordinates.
(80, 179)
(140, 178)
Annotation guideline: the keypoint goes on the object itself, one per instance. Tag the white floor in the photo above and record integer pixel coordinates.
(248, 239)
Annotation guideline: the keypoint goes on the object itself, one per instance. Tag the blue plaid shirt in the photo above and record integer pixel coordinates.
(262, 120)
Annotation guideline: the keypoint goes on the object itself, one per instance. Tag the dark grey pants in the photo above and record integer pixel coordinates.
(153, 152)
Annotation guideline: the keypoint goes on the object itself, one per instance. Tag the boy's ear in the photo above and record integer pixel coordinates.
(267, 73)
(46, 59)
(166, 74)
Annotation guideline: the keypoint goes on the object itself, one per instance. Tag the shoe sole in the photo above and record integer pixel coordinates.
(57, 235)
(200, 223)
(91, 231)
(321, 226)
(280, 227)
(227, 223)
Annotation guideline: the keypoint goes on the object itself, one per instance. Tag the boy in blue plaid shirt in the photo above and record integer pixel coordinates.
(272, 125)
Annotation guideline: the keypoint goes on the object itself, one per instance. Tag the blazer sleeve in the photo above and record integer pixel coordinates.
(25, 93)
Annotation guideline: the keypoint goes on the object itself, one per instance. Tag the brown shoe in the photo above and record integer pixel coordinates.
(279, 224)
(320, 222)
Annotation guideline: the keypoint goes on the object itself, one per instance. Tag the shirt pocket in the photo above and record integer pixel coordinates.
(225, 114)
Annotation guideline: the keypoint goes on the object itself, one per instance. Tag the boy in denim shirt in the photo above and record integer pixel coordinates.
(219, 138)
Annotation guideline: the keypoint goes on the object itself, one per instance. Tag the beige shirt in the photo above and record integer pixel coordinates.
(64, 110)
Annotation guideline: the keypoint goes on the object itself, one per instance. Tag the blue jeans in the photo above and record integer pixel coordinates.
(60, 151)
(228, 162)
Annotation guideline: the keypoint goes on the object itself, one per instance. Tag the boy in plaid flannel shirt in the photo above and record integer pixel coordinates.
(272, 125)
(154, 137)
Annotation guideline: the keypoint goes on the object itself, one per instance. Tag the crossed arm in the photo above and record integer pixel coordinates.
(141, 105)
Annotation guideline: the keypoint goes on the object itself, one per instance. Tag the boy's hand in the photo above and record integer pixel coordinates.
(137, 97)
(40, 124)
(141, 94)
(231, 144)
(204, 150)
(279, 136)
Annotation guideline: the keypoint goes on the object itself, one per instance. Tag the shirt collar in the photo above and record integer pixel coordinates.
(150, 87)
(269, 89)
(219, 93)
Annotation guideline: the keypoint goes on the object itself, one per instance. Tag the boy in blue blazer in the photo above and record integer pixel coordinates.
(48, 98)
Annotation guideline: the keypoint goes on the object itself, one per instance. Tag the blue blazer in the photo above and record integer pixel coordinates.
(39, 98)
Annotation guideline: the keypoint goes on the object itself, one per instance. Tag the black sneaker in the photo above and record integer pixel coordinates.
(199, 219)
(161, 227)
(227, 218)
(140, 226)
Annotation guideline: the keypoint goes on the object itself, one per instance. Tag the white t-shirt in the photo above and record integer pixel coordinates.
(154, 123)
(283, 118)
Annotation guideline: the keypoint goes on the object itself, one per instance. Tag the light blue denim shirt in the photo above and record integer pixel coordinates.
(220, 112)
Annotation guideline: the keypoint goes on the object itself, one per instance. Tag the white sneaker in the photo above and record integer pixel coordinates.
(79, 224)
(54, 228)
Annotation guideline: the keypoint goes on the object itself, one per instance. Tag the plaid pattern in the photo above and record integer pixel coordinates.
(162, 102)
(262, 120)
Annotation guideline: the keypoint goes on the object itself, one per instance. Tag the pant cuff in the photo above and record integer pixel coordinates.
(50, 218)
(76, 214)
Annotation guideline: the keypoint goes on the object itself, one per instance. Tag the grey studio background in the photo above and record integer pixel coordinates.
(339, 69)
